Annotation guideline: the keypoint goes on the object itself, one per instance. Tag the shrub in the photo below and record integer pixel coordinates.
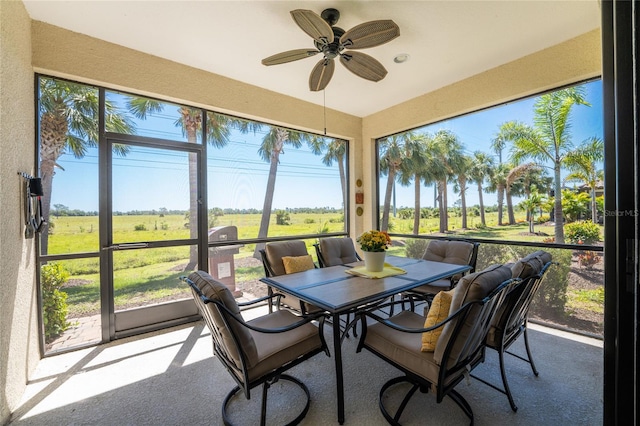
(543, 219)
(588, 258)
(309, 220)
(323, 228)
(54, 302)
(553, 290)
(582, 232)
(140, 227)
(282, 217)
(416, 248)
(339, 219)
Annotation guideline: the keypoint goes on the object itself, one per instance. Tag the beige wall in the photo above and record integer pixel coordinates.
(18, 331)
(65, 54)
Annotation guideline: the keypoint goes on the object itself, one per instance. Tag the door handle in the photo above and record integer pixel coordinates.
(126, 246)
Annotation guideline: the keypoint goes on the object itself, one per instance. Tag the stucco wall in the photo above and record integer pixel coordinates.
(18, 331)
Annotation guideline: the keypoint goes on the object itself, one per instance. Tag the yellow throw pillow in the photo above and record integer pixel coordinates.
(438, 312)
(294, 264)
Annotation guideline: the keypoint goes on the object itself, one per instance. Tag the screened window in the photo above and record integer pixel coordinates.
(270, 181)
(141, 116)
(530, 170)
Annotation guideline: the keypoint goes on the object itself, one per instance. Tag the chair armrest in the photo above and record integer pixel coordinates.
(306, 319)
(260, 299)
(390, 323)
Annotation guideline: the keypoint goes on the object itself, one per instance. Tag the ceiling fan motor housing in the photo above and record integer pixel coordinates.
(334, 48)
(333, 42)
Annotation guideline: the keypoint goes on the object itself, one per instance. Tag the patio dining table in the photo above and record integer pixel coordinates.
(339, 292)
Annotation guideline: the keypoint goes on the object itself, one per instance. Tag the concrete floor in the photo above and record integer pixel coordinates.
(170, 377)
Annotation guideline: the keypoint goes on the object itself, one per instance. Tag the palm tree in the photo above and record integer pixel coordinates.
(497, 184)
(272, 146)
(414, 169)
(462, 169)
(391, 153)
(549, 140)
(514, 174)
(69, 124)
(446, 150)
(533, 202)
(535, 177)
(498, 144)
(574, 204)
(583, 163)
(480, 168)
(336, 150)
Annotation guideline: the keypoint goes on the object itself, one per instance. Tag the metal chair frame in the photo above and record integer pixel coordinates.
(244, 385)
(514, 323)
(471, 355)
(269, 272)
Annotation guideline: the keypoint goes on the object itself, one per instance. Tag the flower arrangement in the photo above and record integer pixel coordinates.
(374, 241)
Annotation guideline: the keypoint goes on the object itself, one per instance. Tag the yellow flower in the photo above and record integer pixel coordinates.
(374, 241)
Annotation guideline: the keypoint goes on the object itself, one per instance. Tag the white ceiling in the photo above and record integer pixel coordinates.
(447, 40)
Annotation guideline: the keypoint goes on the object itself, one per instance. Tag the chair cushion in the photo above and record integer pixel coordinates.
(457, 252)
(404, 348)
(471, 287)
(219, 292)
(276, 250)
(337, 251)
(275, 350)
(293, 264)
(524, 268)
(434, 287)
(530, 265)
(438, 312)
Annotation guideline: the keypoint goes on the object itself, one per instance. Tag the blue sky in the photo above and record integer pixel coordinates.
(151, 179)
(477, 130)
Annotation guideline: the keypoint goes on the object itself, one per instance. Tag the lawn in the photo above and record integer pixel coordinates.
(151, 275)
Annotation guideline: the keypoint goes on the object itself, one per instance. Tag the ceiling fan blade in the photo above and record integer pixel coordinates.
(370, 34)
(363, 66)
(288, 56)
(321, 75)
(312, 24)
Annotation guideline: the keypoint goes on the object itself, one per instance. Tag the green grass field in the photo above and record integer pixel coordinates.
(151, 275)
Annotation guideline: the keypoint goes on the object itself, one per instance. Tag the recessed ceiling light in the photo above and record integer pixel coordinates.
(402, 57)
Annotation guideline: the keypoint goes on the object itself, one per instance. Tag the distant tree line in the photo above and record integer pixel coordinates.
(59, 210)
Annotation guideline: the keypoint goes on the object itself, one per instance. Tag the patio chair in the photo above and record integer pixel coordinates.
(442, 365)
(287, 257)
(336, 251)
(259, 351)
(449, 251)
(511, 318)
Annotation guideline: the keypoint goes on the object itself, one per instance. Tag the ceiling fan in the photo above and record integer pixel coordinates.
(334, 42)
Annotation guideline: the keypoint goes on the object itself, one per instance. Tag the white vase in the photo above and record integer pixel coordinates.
(374, 260)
